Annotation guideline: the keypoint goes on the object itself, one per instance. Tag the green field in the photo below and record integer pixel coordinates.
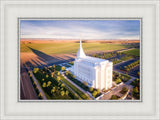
(134, 52)
(67, 48)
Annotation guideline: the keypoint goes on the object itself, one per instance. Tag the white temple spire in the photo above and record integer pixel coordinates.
(80, 52)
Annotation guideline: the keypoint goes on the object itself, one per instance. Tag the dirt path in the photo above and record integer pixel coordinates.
(26, 88)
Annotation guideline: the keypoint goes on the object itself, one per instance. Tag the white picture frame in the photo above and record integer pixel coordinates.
(13, 109)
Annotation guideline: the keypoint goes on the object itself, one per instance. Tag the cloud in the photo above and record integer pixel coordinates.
(80, 29)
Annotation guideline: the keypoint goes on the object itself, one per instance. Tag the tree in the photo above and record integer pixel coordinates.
(118, 80)
(52, 74)
(91, 89)
(35, 70)
(75, 94)
(122, 77)
(43, 79)
(40, 95)
(53, 90)
(114, 97)
(98, 91)
(47, 76)
(62, 68)
(124, 90)
(103, 89)
(67, 92)
(61, 88)
(62, 93)
(135, 90)
(66, 72)
(49, 83)
(73, 76)
(44, 84)
(58, 78)
(54, 66)
(58, 73)
(62, 85)
(137, 80)
(85, 83)
(34, 83)
(94, 93)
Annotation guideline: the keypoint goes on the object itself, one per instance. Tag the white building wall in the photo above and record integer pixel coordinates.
(99, 76)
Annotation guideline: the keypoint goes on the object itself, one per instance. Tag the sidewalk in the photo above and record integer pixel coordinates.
(76, 86)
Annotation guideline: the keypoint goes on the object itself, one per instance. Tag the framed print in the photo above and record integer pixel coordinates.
(108, 71)
(79, 60)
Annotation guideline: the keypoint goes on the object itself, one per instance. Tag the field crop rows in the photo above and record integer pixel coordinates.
(67, 48)
(133, 52)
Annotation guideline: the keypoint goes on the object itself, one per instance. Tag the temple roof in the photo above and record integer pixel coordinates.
(94, 59)
(80, 53)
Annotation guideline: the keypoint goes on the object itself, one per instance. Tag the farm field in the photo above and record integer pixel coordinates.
(48, 53)
(134, 52)
(67, 48)
(41, 52)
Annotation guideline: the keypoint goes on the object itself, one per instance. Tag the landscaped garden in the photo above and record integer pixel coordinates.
(136, 88)
(118, 77)
(52, 85)
(84, 85)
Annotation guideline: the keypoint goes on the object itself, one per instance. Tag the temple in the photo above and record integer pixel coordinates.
(95, 71)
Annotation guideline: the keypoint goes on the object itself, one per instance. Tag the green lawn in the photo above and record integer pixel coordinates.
(64, 48)
(134, 52)
(80, 93)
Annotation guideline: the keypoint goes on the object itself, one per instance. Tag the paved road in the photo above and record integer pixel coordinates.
(132, 72)
(39, 87)
(124, 63)
(26, 88)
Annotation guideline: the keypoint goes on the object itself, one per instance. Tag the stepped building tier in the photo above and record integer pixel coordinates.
(95, 71)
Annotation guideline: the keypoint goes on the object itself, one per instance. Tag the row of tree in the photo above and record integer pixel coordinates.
(106, 55)
(132, 65)
(115, 61)
(136, 88)
(84, 85)
(39, 94)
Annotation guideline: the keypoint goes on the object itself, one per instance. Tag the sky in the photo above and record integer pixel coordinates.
(80, 29)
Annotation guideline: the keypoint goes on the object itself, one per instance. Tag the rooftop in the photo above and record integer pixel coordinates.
(87, 59)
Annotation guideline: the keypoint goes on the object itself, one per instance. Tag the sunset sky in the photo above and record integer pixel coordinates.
(84, 29)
